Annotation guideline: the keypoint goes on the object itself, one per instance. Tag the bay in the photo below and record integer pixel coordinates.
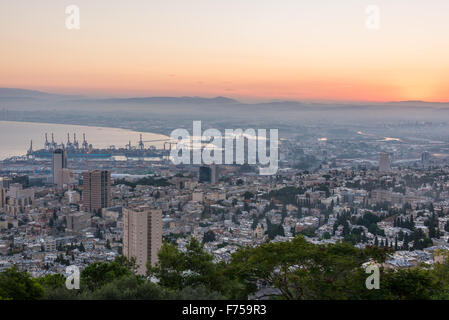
(15, 136)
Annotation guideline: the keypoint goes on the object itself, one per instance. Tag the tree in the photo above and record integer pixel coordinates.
(302, 270)
(17, 285)
(98, 274)
(248, 195)
(255, 222)
(128, 263)
(274, 230)
(170, 267)
(129, 287)
(198, 293)
(283, 214)
(326, 235)
(178, 270)
(52, 280)
(98, 233)
(209, 236)
(408, 284)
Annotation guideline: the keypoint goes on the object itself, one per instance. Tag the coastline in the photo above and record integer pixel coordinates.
(19, 134)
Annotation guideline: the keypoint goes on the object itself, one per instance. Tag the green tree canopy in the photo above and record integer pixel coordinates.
(18, 285)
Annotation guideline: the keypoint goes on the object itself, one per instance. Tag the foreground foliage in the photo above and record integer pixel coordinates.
(291, 270)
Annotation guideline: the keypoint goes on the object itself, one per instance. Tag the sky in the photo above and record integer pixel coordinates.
(244, 49)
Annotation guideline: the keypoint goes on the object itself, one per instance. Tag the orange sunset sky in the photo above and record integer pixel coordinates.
(244, 49)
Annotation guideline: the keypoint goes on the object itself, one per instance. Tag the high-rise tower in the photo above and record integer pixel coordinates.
(96, 190)
(142, 235)
(59, 163)
(384, 162)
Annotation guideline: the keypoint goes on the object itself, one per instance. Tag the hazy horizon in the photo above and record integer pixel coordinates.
(247, 100)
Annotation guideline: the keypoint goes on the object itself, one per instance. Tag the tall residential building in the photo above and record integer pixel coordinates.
(384, 162)
(213, 173)
(209, 174)
(204, 174)
(142, 235)
(425, 159)
(2, 197)
(59, 163)
(65, 177)
(5, 182)
(96, 190)
(20, 200)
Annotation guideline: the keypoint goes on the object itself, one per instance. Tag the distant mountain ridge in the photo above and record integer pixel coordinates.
(18, 93)
(198, 100)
